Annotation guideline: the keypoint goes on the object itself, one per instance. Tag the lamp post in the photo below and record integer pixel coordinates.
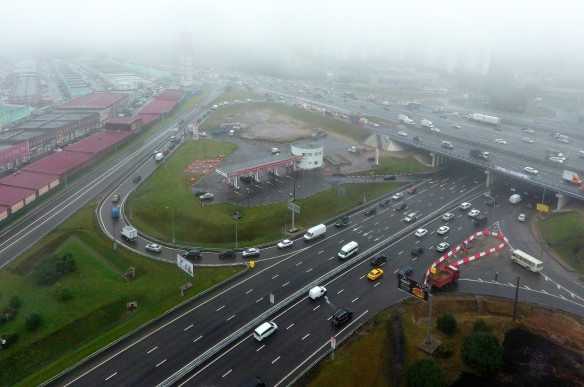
(172, 219)
(236, 220)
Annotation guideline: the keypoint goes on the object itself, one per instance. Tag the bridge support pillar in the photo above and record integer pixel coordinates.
(435, 159)
(256, 176)
(275, 171)
(562, 200)
(490, 179)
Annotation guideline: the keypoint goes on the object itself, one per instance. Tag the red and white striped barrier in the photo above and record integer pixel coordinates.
(472, 257)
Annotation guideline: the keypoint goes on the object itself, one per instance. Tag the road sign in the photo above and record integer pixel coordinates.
(333, 342)
(408, 285)
(542, 207)
(185, 265)
(272, 298)
(294, 207)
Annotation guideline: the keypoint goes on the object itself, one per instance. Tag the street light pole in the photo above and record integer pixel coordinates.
(236, 220)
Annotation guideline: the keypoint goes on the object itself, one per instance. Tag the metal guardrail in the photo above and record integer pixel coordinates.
(177, 376)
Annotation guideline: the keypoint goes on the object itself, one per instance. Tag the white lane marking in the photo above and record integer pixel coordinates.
(230, 318)
(340, 291)
(111, 376)
(152, 350)
(309, 270)
(320, 252)
(318, 306)
(161, 363)
(257, 350)
(308, 334)
(249, 291)
(331, 257)
(376, 284)
(226, 373)
(286, 283)
(299, 263)
(197, 339)
(220, 308)
(276, 276)
(259, 300)
(187, 328)
(363, 276)
(276, 359)
(289, 326)
(401, 252)
(355, 300)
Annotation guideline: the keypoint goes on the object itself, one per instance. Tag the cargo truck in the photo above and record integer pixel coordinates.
(441, 278)
(426, 124)
(571, 177)
(485, 119)
(479, 154)
(129, 233)
(515, 198)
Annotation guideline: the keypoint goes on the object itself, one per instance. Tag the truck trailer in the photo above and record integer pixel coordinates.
(441, 278)
(485, 119)
(405, 119)
(571, 177)
(426, 124)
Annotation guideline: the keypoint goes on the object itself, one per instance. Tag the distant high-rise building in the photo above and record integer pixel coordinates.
(186, 70)
(454, 57)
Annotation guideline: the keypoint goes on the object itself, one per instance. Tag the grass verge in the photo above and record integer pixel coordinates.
(564, 233)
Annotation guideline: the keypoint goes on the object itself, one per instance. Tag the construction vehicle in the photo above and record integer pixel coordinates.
(439, 279)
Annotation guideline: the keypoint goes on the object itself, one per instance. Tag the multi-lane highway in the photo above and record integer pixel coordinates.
(150, 357)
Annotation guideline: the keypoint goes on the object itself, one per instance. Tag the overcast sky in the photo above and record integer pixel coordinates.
(513, 26)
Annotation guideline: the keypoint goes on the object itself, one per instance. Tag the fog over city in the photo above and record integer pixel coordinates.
(226, 30)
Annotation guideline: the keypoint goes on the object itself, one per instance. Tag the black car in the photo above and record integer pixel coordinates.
(342, 221)
(378, 261)
(490, 202)
(370, 211)
(227, 253)
(193, 254)
(385, 202)
(400, 206)
(406, 271)
(341, 316)
(417, 138)
(417, 251)
(389, 177)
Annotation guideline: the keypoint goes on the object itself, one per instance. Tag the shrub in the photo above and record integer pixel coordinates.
(11, 339)
(444, 351)
(480, 326)
(482, 352)
(425, 373)
(33, 322)
(447, 323)
(63, 293)
(48, 271)
(15, 302)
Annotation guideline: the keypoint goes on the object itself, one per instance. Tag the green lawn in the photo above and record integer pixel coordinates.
(96, 314)
(564, 233)
(212, 225)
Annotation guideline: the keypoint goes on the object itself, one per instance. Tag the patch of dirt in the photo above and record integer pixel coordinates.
(266, 125)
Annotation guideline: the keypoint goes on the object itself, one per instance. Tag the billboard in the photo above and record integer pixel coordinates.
(13, 152)
(185, 265)
(408, 285)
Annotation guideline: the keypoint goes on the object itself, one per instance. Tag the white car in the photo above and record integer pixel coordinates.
(411, 216)
(421, 232)
(402, 133)
(528, 140)
(556, 160)
(443, 230)
(473, 213)
(443, 246)
(465, 206)
(564, 140)
(527, 130)
(533, 171)
(456, 126)
(316, 292)
(251, 252)
(202, 134)
(153, 247)
(434, 129)
(521, 218)
(206, 196)
(285, 243)
(447, 216)
(501, 141)
(397, 195)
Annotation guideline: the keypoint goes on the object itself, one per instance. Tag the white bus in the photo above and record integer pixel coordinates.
(526, 260)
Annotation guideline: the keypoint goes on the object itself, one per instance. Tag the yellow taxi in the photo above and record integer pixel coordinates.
(374, 274)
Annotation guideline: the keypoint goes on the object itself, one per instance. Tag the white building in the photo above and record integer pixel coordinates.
(311, 152)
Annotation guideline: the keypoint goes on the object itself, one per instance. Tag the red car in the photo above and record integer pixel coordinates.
(412, 190)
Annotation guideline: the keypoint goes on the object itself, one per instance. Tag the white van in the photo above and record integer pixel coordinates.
(348, 250)
(264, 330)
(315, 232)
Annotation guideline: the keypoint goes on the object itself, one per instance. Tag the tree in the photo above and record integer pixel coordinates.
(33, 322)
(15, 302)
(425, 373)
(482, 352)
(447, 323)
(480, 326)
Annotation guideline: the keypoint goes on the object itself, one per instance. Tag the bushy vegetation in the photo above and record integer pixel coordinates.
(48, 271)
(425, 373)
(480, 326)
(446, 323)
(482, 352)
